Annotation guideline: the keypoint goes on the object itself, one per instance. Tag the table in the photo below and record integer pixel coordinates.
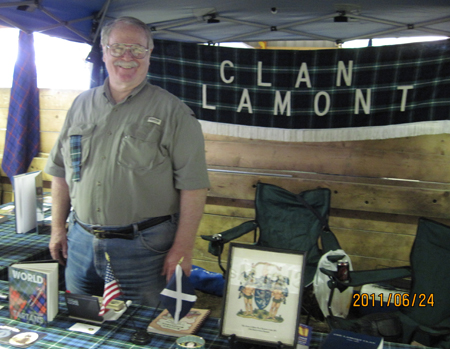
(20, 247)
(117, 334)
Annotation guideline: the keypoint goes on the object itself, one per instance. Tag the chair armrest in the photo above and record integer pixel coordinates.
(217, 241)
(363, 277)
(335, 258)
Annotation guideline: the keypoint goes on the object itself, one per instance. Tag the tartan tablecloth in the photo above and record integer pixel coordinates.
(112, 334)
(20, 247)
(117, 334)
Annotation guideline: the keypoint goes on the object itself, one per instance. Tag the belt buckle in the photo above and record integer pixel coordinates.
(98, 232)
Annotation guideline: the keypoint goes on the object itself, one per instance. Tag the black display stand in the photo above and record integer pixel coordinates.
(141, 336)
(235, 344)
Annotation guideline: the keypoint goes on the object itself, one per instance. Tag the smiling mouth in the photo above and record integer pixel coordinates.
(126, 65)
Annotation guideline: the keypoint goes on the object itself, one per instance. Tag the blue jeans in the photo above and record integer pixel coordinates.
(136, 264)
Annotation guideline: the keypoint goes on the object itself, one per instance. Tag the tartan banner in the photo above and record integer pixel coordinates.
(320, 95)
(22, 131)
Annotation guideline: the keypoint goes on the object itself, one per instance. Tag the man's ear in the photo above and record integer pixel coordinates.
(103, 53)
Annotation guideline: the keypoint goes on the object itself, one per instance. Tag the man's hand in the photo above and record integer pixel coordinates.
(58, 245)
(173, 258)
(192, 203)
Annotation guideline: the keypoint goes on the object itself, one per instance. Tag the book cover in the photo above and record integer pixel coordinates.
(33, 292)
(341, 339)
(304, 336)
(190, 324)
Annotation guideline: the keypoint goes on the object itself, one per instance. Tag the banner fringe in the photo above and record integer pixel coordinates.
(327, 135)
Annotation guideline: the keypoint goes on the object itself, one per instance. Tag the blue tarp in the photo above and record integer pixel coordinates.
(235, 20)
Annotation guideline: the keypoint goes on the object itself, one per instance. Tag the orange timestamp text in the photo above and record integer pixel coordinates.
(394, 299)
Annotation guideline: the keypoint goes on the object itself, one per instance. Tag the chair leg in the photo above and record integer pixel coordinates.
(220, 265)
(308, 317)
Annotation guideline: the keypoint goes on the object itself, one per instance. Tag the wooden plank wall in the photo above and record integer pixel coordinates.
(379, 188)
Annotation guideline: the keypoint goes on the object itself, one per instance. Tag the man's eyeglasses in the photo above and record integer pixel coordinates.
(118, 50)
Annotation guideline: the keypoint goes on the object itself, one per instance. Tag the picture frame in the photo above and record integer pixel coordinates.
(262, 296)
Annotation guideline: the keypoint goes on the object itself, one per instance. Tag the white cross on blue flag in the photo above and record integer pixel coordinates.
(179, 295)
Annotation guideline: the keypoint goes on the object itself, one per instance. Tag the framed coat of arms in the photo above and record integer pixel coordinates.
(262, 300)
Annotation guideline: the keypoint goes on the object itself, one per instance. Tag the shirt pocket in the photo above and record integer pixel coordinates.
(139, 148)
(84, 134)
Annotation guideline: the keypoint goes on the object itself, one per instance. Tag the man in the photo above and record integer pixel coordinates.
(248, 291)
(130, 161)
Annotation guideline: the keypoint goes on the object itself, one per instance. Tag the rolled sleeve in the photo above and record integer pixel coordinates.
(55, 163)
(190, 170)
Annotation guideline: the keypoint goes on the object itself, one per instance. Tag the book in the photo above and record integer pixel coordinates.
(3, 218)
(304, 336)
(8, 210)
(342, 339)
(33, 292)
(28, 200)
(190, 324)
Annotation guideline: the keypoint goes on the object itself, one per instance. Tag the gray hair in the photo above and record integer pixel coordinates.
(107, 28)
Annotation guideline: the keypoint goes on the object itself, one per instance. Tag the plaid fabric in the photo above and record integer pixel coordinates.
(22, 131)
(17, 247)
(28, 298)
(38, 300)
(416, 74)
(16, 301)
(75, 156)
(116, 335)
(20, 247)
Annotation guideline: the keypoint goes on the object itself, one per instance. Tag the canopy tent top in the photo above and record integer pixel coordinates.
(213, 21)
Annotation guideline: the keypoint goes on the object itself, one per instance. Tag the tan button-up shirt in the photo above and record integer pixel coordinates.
(135, 155)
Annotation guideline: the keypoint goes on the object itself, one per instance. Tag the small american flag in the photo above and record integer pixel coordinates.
(112, 287)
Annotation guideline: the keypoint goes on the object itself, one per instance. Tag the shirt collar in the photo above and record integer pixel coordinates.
(107, 91)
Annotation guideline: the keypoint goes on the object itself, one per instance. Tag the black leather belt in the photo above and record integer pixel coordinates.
(126, 232)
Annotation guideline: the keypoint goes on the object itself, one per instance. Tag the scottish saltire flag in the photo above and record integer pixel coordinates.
(112, 287)
(179, 295)
(22, 131)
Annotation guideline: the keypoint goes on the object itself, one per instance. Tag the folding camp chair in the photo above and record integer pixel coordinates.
(425, 312)
(287, 221)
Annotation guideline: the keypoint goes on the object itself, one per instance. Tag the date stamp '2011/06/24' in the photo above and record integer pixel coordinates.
(392, 299)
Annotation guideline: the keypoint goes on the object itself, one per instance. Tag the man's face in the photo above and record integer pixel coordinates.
(126, 72)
